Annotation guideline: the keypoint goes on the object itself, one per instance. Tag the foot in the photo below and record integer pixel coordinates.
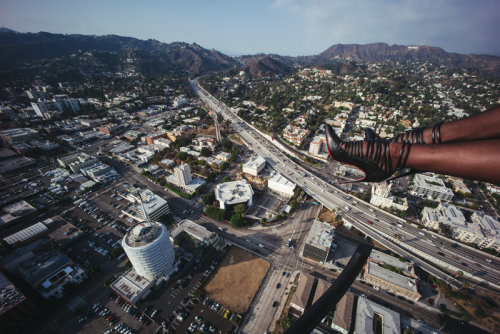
(377, 159)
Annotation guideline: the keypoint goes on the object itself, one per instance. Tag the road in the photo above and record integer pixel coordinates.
(431, 251)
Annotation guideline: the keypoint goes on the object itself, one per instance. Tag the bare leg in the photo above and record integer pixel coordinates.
(477, 160)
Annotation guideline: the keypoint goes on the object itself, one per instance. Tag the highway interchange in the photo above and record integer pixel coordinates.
(438, 255)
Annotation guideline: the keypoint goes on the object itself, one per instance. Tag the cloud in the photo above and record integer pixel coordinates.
(456, 25)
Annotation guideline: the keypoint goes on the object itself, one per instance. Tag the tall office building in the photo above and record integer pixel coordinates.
(148, 248)
(183, 174)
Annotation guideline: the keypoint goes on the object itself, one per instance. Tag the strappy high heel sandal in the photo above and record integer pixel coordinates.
(375, 162)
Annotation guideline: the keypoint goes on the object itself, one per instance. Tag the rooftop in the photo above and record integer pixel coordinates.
(379, 257)
(25, 234)
(130, 285)
(150, 201)
(193, 229)
(343, 313)
(489, 225)
(392, 277)
(254, 162)
(430, 182)
(278, 178)
(320, 235)
(233, 192)
(447, 214)
(43, 265)
(143, 234)
(365, 314)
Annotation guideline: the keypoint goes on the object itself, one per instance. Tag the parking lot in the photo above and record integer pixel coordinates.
(100, 225)
(266, 204)
(177, 303)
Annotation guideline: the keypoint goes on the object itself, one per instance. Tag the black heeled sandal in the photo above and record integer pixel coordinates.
(375, 163)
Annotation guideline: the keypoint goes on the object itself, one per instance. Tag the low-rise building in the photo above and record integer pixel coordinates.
(489, 234)
(295, 135)
(25, 235)
(319, 241)
(382, 197)
(49, 271)
(427, 186)
(131, 286)
(16, 211)
(99, 172)
(195, 231)
(150, 138)
(223, 156)
(317, 145)
(232, 193)
(447, 214)
(382, 258)
(459, 186)
(391, 281)
(18, 135)
(281, 185)
(162, 143)
(112, 130)
(309, 290)
(367, 311)
(204, 141)
(145, 200)
(342, 318)
(254, 165)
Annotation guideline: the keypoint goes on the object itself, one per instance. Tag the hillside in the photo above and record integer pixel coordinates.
(484, 65)
(265, 67)
(17, 48)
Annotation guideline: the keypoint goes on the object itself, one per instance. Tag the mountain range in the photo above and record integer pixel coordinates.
(18, 48)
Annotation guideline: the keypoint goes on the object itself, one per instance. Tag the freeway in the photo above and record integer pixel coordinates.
(439, 255)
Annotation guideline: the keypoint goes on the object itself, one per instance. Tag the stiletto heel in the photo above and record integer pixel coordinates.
(375, 162)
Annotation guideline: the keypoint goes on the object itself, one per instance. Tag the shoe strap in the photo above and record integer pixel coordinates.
(404, 152)
(436, 133)
(414, 136)
(379, 154)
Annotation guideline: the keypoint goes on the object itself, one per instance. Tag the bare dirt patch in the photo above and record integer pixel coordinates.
(237, 280)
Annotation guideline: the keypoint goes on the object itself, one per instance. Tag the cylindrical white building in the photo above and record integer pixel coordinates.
(148, 248)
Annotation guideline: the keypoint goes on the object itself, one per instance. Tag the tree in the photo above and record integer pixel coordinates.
(240, 208)
(225, 179)
(205, 151)
(209, 199)
(237, 220)
(226, 144)
(181, 156)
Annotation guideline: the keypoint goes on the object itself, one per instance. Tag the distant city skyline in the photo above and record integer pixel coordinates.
(286, 27)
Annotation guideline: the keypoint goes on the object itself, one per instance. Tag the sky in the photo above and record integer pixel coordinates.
(286, 27)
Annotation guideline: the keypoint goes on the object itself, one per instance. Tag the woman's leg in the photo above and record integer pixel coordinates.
(485, 125)
(476, 160)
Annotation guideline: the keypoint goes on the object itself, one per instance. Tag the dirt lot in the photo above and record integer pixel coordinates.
(237, 280)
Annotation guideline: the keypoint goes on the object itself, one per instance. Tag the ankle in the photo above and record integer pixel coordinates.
(428, 135)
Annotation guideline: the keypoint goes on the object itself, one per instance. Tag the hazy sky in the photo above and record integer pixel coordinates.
(287, 27)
